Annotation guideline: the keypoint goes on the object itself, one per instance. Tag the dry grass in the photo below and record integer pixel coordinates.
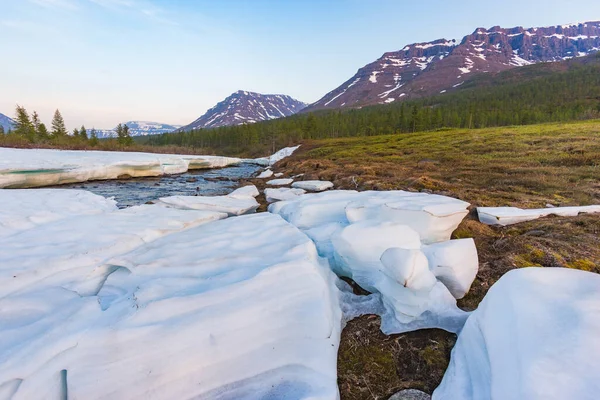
(527, 166)
(519, 166)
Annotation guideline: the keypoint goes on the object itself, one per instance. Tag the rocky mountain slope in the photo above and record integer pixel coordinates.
(425, 69)
(247, 107)
(6, 122)
(139, 128)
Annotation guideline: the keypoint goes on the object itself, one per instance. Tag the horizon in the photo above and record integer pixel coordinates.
(168, 79)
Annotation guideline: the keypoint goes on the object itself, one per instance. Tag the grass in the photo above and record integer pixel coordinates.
(526, 166)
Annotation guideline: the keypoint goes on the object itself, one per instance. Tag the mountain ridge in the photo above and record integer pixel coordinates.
(139, 128)
(429, 68)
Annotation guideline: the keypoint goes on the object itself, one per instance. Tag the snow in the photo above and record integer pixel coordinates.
(373, 77)
(26, 168)
(22, 168)
(387, 92)
(353, 230)
(534, 336)
(313, 186)
(277, 156)
(279, 194)
(25, 209)
(265, 174)
(519, 61)
(153, 302)
(239, 202)
(354, 82)
(244, 192)
(280, 182)
(512, 215)
(429, 45)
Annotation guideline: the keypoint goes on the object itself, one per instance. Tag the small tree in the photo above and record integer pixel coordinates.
(83, 133)
(75, 133)
(123, 136)
(93, 137)
(23, 124)
(58, 125)
(1, 130)
(35, 121)
(43, 131)
(128, 140)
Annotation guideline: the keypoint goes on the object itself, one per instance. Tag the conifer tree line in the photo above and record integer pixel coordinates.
(30, 129)
(525, 95)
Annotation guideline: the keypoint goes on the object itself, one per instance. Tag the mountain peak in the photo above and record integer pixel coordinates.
(243, 107)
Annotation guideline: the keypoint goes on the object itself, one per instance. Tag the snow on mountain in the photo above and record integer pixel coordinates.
(6, 122)
(425, 69)
(247, 107)
(139, 128)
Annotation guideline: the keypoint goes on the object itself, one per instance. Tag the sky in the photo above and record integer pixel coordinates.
(102, 62)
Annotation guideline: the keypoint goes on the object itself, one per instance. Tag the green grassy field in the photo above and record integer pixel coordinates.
(526, 166)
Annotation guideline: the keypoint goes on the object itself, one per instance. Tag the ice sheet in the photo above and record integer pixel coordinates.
(534, 336)
(353, 230)
(125, 305)
(503, 216)
(313, 186)
(24, 209)
(279, 194)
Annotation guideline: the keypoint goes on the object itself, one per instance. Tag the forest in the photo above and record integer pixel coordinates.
(549, 92)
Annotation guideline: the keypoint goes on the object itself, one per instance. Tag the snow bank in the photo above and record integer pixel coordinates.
(534, 336)
(125, 304)
(240, 201)
(512, 215)
(313, 186)
(278, 156)
(280, 182)
(354, 230)
(23, 168)
(24, 209)
(280, 194)
(265, 174)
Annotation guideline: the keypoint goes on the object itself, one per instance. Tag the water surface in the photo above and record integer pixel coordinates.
(132, 192)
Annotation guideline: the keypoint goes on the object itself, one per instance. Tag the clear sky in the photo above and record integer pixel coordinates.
(102, 62)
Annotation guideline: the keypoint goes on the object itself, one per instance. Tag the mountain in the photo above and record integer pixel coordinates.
(426, 69)
(543, 92)
(247, 107)
(6, 122)
(139, 128)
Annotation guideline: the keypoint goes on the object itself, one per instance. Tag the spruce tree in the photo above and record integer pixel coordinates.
(58, 125)
(83, 133)
(75, 133)
(35, 121)
(43, 131)
(127, 139)
(1, 130)
(23, 124)
(93, 137)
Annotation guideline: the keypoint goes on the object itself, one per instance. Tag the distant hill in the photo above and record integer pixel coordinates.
(6, 122)
(426, 69)
(244, 107)
(544, 92)
(139, 128)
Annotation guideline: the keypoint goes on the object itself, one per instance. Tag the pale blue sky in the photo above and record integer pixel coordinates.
(107, 61)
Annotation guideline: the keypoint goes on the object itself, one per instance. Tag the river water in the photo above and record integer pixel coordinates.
(132, 192)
